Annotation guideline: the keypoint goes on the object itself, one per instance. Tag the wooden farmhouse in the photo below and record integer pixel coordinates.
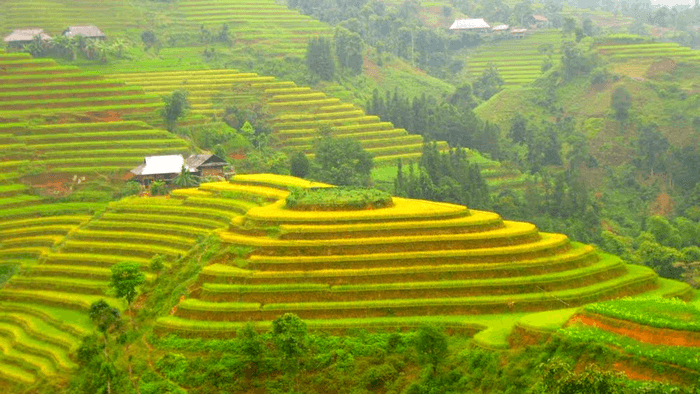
(21, 37)
(89, 31)
(541, 21)
(167, 168)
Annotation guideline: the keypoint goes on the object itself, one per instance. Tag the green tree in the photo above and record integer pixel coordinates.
(126, 278)
(489, 83)
(252, 347)
(431, 346)
(300, 165)
(342, 162)
(159, 188)
(319, 58)
(621, 101)
(105, 317)
(175, 107)
(157, 264)
(348, 49)
(290, 335)
(558, 377)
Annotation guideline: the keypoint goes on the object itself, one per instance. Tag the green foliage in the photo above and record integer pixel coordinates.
(319, 58)
(342, 162)
(621, 101)
(575, 60)
(558, 378)
(175, 108)
(158, 188)
(337, 198)
(289, 333)
(489, 83)
(447, 176)
(431, 346)
(348, 49)
(157, 264)
(6, 272)
(300, 165)
(105, 317)
(126, 277)
(185, 178)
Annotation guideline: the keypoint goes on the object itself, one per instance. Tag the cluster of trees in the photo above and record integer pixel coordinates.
(70, 48)
(338, 161)
(393, 30)
(670, 247)
(347, 47)
(436, 120)
(444, 176)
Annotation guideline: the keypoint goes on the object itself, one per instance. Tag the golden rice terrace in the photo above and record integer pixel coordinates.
(389, 265)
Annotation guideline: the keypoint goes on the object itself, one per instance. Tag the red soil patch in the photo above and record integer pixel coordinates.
(53, 188)
(372, 70)
(646, 334)
(662, 66)
(663, 205)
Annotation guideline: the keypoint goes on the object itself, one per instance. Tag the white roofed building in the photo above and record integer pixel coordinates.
(500, 28)
(478, 25)
(89, 31)
(166, 168)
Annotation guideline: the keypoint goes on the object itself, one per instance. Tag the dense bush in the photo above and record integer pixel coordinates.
(337, 198)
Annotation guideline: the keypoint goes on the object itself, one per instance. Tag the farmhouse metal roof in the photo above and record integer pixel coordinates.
(518, 31)
(205, 160)
(466, 24)
(89, 31)
(156, 165)
(21, 35)
(540, 18)
(500, 28)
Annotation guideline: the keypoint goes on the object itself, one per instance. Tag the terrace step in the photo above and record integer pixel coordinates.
(15, 374)
(550, 244)
(41, 330)
(70, 271)
(53, 298)
(24, 342)
(306, 292)
(575, 257)
(68, 285)
(26, 361)
(89, 260)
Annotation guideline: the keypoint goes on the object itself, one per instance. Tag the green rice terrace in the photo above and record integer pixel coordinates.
(298, 111)
(519, 62)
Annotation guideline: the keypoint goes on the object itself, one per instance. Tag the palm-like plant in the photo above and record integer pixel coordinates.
(185, 178)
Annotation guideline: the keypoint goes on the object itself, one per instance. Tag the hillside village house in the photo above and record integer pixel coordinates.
(472, 25)
(89, 31)
(167, 168)
(21, 37)
(541, 21)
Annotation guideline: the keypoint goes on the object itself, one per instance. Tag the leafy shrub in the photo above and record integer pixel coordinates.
(337, 199)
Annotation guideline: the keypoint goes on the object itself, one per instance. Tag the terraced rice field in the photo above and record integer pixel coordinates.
(76, 252)
(648, 52)
(40, 103)
(261, 25)
(519, 61)
(416, 258)
(112, 16)
(299, 111)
